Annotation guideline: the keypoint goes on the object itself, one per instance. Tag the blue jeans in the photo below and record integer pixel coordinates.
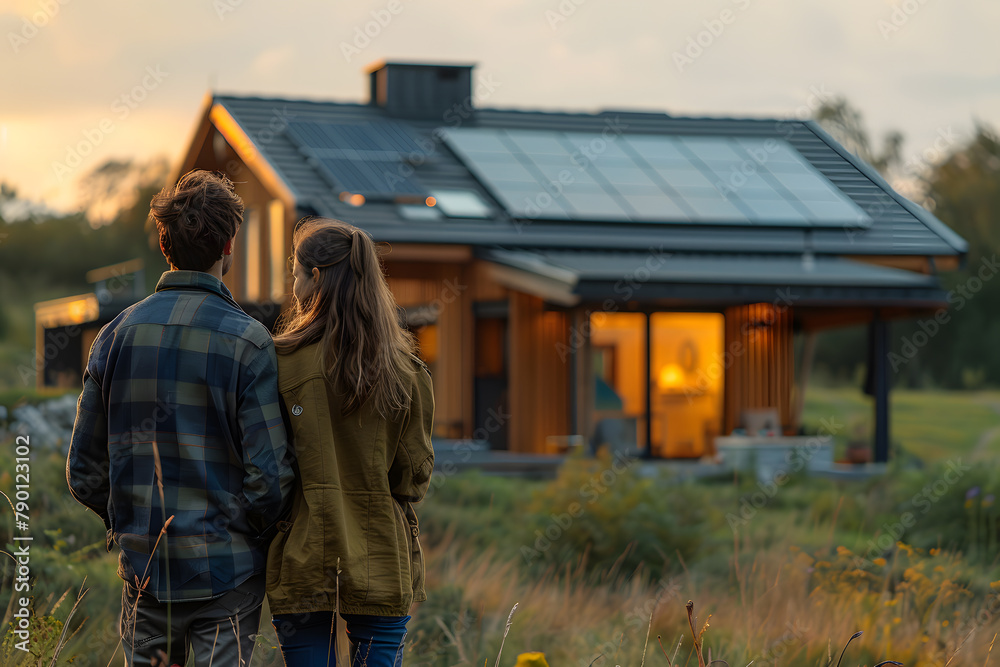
(307, 640)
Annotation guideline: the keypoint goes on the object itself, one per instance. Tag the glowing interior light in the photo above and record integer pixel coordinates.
(357, 200)
(430, 201)
(671, 377)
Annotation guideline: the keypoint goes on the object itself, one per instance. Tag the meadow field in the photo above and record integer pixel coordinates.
(603, 561)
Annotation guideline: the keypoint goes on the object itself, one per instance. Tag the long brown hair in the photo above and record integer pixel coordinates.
(353, 316)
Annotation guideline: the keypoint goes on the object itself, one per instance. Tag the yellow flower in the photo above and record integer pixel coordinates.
(944, 624)
(935, 552)
(995, 585)
(880, 562)
(843, 551)
(533, 659)
(896, 620)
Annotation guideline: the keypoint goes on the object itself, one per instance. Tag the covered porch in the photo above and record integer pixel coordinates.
(670, 354)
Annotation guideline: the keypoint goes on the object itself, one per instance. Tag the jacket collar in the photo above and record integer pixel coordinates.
(194, 280)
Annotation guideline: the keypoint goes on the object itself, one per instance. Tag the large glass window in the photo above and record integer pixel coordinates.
(250, 235)
(618, 347)
(684, 381)
(687, 381)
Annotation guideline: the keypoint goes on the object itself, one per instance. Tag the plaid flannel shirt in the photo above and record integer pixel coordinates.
(180, 415)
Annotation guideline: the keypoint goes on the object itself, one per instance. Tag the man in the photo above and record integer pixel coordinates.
(179, 443)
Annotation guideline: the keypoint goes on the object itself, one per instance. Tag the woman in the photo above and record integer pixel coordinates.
(360, 409)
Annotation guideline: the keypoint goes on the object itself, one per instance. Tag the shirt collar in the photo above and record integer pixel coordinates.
(193, 280)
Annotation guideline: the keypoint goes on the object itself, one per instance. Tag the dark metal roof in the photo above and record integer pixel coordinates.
(734, 278)
(898, 227)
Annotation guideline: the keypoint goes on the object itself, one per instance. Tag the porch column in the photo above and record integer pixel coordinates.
(648, 451)
(879, 333)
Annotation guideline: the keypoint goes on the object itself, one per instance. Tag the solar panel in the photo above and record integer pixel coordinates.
(365, 158)
(652, 178)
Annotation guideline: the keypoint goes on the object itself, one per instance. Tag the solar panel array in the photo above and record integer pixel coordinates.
(360, 158)
(652, 178)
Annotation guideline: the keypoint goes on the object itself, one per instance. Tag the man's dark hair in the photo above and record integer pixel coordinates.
(195, 218)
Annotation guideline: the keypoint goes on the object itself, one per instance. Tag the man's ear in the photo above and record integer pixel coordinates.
(228, 248)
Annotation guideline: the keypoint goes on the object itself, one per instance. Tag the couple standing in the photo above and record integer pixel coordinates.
(282, 467)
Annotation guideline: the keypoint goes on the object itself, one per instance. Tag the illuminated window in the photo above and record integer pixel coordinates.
(250, 234)
(618, 342)
(276, 223)
(687, 382)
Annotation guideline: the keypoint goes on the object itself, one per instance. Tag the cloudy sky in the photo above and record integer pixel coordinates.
(85, 80)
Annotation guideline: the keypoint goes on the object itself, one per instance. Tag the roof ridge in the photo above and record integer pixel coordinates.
(946, 233)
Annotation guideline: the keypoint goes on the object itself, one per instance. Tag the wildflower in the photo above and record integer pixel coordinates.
(843, 551)
(935, 551)
(995, 585)
(532, 659)
(879, 562)
(972, 493)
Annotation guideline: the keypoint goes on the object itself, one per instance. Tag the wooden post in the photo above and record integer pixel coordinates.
(880, 375)
(648, 452)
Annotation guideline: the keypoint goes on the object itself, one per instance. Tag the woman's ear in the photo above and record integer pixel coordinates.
(315, 275)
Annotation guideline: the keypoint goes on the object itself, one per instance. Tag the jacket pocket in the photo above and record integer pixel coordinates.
(416, 555)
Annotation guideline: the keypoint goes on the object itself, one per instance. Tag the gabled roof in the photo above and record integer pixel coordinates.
(896, 227)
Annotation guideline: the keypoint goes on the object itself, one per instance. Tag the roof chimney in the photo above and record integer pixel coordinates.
(419, 91)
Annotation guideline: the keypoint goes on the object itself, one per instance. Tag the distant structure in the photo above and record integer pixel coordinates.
(627, 278)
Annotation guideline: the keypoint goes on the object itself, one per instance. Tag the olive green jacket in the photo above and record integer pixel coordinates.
(357, 476)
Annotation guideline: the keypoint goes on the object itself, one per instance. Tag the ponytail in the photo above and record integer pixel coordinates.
(353, 315)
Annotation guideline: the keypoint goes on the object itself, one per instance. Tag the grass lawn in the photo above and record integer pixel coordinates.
(931, 425)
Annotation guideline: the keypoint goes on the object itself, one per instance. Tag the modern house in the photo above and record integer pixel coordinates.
(578, 277)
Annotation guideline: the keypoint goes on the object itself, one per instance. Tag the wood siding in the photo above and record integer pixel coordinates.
(759, 362)
(445, 289)
(539, 374)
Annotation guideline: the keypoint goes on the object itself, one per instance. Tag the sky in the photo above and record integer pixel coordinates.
(83, 81)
